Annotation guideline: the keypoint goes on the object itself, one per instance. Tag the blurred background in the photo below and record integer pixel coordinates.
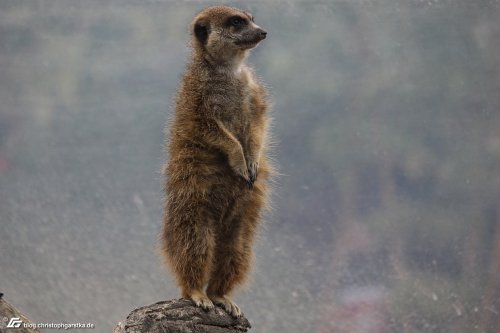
(386, 115)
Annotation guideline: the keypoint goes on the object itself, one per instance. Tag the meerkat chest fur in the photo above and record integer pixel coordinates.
(230, 94)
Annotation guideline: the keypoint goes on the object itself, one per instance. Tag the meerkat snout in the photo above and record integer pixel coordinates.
(250, 36)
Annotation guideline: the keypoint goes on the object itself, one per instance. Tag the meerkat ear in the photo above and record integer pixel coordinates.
(201, 31)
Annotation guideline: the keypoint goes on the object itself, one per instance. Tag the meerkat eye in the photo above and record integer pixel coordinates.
(237, 21)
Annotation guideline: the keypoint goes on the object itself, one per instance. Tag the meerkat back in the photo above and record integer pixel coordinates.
(218, 169)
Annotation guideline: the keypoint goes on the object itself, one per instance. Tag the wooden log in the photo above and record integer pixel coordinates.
(180, 316)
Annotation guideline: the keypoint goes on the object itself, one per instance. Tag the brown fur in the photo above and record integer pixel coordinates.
(218, 170)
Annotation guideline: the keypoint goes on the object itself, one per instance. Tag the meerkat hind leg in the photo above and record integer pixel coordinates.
(231, 269)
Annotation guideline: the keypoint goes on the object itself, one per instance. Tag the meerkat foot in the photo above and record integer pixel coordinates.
(201, 300)
(228, 305)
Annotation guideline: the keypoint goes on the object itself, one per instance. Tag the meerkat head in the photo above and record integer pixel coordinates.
(225, 34)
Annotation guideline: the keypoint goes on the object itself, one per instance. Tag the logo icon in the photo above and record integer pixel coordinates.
(14, 322)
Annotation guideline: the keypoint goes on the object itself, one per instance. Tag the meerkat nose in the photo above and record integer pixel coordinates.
(263, 34)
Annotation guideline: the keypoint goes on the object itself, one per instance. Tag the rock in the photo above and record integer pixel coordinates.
(180, 316)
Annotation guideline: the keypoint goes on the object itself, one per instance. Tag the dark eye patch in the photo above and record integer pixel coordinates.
(237, 21)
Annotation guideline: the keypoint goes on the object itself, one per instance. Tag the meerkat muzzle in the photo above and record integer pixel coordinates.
(252, 38)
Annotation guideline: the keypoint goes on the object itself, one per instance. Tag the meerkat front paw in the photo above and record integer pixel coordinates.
(201, 300)
(244, 174)
(253, 169)
(228, 305)
(241, 170)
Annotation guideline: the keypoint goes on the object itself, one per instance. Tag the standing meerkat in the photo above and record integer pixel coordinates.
(217, 172)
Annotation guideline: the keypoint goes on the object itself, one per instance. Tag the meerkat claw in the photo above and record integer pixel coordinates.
(253, 170)
(203, 302)
(228, 305)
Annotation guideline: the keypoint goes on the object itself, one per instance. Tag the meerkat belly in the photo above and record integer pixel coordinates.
(208, 168)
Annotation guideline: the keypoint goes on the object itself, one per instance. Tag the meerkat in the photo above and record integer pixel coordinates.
(218, 170)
